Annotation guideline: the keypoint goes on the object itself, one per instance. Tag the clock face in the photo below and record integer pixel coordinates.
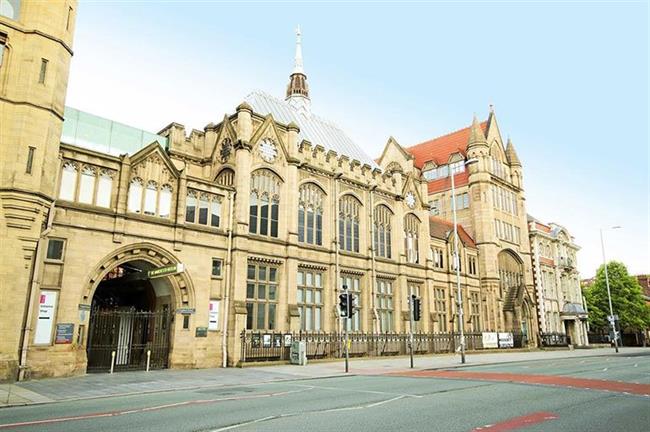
(268, 150)
(410, 200)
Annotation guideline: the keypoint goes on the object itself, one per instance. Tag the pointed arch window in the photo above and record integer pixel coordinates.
(226, 177)
(68, 181)
(382, 237)
(310, 214)
(150, 195)
(104, 188)
(165, 203)
(264, 203)
(411, 246)
(190, 206)
(87, 185)
(349, 210)
(135, 195)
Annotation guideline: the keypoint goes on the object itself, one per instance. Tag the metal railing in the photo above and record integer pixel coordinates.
(276, 346)
(554, 339)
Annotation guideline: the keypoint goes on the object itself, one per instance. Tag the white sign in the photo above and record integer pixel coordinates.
(506, 340)
(213, 318)
(45, 321)
(490, 340)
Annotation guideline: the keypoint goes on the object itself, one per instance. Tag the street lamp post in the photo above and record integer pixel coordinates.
(612, 322)
(459, 299)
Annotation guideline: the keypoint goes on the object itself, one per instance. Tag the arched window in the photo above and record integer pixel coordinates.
(264, 203)
(382, 240)
(135, 195)
(190, 206)
(226, 177)
(104, 189)
(87, 185)
(165, 204)
(310, 214)
(349, 209)
(10, 8)
(411, 229)
(68, 181)
(150, 197)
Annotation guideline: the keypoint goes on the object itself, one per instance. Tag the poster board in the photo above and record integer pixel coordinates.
(45, 318)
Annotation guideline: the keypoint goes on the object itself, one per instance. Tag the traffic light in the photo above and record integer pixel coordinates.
(415, 302)
(347, 304)
(344, 305)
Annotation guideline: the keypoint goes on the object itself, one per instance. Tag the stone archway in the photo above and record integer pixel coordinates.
(131, 320)
(512, 289)
(181, 283)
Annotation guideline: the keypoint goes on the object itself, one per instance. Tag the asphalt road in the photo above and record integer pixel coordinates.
(607, 393)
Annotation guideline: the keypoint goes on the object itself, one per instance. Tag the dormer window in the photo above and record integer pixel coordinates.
(457, 167)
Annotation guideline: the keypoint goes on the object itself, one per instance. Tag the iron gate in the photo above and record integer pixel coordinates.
(130, 334)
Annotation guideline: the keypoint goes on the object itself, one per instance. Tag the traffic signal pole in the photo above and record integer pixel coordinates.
(347, 344)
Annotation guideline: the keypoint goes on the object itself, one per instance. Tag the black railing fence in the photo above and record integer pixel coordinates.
(270, 346)
(554, 339)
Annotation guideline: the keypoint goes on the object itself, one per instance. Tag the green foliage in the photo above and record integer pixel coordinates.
(627, 299)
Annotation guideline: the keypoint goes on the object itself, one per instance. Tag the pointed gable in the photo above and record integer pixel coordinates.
(441, 150)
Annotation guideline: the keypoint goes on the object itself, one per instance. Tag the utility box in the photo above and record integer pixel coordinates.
(298, 353)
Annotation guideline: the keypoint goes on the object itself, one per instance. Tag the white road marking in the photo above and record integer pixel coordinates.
(359, 391)
(605, 370)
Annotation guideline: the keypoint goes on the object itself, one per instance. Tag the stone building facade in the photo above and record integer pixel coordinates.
(490, 204)
(35, 52)
(254, 223)
(561, 307)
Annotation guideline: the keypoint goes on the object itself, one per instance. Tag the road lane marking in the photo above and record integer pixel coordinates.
(147, 409)
(518, 422)
(294, 414)
(551, 380)
(359, 391)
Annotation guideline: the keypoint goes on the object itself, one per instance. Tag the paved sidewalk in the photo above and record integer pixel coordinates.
(106, 385)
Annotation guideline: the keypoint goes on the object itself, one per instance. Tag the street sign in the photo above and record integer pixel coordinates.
(166, 271)
(612, 318)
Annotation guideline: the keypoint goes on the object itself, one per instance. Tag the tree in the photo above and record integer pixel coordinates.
(627, 299)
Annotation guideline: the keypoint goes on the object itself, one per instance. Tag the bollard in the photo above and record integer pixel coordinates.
(112, 361)
(148, 359)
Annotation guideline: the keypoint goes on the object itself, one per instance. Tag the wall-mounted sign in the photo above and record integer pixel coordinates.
(490, 340)
(64, 333)
(45, 321)
(506, 340)
(185, 311)
(213, 316)
(201, 332)
(166, 271)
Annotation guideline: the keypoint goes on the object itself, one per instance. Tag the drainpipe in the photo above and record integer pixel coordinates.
(226, 306)
(372, 255)
(34, 284)
(336, 243)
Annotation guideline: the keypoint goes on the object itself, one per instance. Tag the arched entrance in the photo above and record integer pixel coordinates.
(132, 296)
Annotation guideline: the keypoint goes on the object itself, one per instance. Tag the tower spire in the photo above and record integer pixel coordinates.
(298, 90)
(476, 136)
(297, 64)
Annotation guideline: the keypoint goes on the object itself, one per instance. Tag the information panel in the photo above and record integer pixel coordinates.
(45, 321)
(213, 319)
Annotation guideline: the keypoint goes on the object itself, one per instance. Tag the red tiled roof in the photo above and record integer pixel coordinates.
(440, 228)
(439, 150)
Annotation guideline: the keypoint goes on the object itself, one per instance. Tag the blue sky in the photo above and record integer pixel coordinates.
(569, 82)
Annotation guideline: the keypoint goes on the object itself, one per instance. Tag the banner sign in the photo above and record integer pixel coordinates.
(45, 322)
(490, 340)
(165, 271)
(506, 340)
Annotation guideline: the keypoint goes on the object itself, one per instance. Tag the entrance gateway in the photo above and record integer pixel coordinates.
(131, 318)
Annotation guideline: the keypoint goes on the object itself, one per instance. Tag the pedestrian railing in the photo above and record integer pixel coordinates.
(553, 339)
(269, 346)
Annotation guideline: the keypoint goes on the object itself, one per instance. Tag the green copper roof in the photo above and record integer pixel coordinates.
(103, 135)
